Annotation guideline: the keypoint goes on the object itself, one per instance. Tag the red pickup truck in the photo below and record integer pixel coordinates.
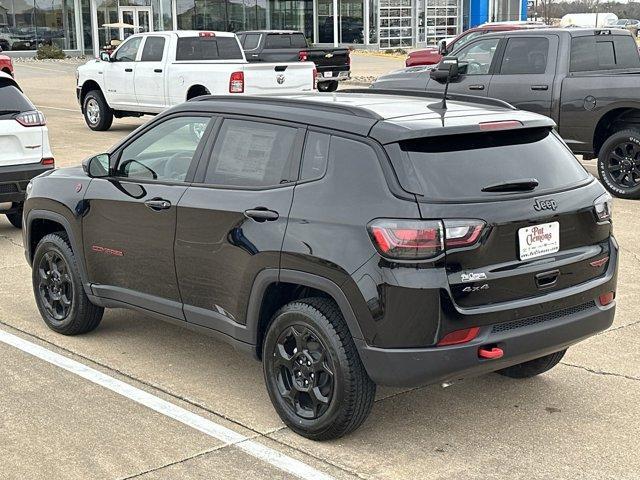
(6, 65)
(433, 55)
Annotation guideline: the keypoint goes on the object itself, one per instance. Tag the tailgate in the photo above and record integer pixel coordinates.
(268, 78)
(329, 57)
(18, 144)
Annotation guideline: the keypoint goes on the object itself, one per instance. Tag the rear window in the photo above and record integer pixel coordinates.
(604, 52)
(12, 100)
(458, 167)
(295, 40)
(208, 48)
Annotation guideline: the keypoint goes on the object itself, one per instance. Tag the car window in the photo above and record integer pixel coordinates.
(153, 49)
(463, 40)
(478, 55)
(165, 152)
(609, 52)
(277, 40)
(208, 48)
(128, 51)
(251, 41)
(525, 56)
(12, 100)
(314, 159)
(251, 154)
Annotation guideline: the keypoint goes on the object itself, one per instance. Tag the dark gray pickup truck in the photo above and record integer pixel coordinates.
(587, 80)
(333, 64)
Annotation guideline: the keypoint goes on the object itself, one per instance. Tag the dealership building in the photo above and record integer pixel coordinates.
(86, 26)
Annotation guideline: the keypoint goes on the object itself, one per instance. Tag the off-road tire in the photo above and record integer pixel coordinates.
(533, 367)
(631, 137)
(15, 218)
(353, 390)
(83, 316)
(330, 86)
(105, 115)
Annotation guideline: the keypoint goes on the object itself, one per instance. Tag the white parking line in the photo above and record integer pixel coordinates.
(22, 64)
(266, 454)
(77, 110)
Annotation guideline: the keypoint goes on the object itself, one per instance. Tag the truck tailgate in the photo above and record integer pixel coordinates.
(332, 57)
(267, 78)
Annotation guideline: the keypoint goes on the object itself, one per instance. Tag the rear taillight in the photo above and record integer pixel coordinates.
(49, 161)
(459, 336)
(315, 79)
(303, 56)
(603, 206)
(408, 239)
(31, 119)
(236, 82)
(421, 240)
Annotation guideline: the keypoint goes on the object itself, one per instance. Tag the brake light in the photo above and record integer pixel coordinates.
(500, 125)
(31, 119)
(207, 34)
(236, 82)
(49, 161)
(420, 240)
(303, 56)
(459, 336)
(408, 239)
(315, 79)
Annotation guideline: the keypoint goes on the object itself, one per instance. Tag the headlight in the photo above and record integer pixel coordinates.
(603, 206)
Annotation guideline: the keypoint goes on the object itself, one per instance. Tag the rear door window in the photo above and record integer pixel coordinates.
(208, 48)
(603, 52)
(153, 49)
(252, 154)
(458, 167)
(12, 100)
(525, 56)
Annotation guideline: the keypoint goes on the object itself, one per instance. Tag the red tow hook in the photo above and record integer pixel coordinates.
(490, 353)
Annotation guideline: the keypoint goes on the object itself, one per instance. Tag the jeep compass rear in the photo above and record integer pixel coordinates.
(371, 238)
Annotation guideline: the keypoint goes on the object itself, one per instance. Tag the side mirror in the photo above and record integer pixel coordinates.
(105, 57)
(97, 166)
(447, 69)
(442, 47)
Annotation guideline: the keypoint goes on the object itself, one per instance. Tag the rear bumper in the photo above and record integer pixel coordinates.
(415, 367)
(337, 73)
(14, 180)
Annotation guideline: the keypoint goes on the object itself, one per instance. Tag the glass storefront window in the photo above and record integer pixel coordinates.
(325, 21)
(351, 22)
(27, 25)
(373, 21)
(223, 15)
(396, 29)
(437, 19)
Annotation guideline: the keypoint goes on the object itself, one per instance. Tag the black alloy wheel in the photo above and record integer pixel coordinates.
(619, 164)
(55, 287)
(303, 371)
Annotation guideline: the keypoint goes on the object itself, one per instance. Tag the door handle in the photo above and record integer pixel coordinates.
(261, 214)
(158, 204)
(539, 87)
(128, 70)
(476, 87)
(157, 70)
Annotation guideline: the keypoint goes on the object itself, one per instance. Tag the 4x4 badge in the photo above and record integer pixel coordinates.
(540, 205)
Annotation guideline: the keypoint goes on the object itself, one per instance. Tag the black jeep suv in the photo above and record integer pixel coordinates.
(346, 240)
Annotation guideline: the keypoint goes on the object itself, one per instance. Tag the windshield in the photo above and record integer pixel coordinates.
(458, 167)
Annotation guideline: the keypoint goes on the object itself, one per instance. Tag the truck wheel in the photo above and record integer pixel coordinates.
(97, 113)
(330, 86)
(619, 164)
(314, 375)
(533, 367)
(57, 285)
(16, 218)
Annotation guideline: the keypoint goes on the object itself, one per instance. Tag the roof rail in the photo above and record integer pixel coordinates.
(494, 102)
(293, 102)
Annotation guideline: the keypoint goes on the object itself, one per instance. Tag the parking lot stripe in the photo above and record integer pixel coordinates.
(206, 426)
(60, 108)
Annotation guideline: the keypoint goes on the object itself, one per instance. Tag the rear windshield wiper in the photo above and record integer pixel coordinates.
(522, 185)
(8, 112)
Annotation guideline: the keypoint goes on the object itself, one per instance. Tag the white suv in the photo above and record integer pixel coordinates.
(24, 147)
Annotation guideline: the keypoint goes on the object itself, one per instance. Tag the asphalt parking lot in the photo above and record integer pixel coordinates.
(139, 398)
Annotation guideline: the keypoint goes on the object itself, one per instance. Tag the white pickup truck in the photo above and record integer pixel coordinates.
(149, 72)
